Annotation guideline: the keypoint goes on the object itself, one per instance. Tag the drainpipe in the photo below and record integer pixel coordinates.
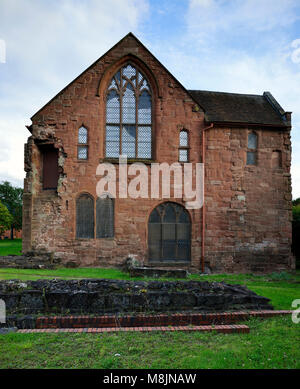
(203, 206)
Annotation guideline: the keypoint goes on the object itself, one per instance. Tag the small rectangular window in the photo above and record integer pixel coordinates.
(252, 149)
(251, 158)
(82, 148)
(183, 146)
(82, 152)
(183, 155)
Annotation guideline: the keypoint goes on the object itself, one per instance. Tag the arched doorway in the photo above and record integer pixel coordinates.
(169, 234)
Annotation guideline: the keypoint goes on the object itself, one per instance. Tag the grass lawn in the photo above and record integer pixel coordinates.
(272, 343)
(10, 247)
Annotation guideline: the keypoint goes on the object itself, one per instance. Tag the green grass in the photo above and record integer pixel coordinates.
(271, 344)
(11, 247)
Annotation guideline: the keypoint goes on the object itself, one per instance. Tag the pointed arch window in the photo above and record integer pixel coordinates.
(85, 216)
(129, 115)
(105, 217)
(82, 147)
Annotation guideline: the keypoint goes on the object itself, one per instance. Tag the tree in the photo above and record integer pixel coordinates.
(5, 219)
(296, 202)
(296, 231)
(11, 197)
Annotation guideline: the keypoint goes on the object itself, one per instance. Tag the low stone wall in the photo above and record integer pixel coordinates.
(100, 296)
(29, 261)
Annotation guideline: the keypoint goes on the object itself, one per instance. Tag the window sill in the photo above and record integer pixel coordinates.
(129, 160)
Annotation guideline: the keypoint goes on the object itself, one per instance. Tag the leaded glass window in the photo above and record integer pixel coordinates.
(183, 146)
(82, 147)
(105, 217)
(129, 115)
(85, 216)
(169, 233)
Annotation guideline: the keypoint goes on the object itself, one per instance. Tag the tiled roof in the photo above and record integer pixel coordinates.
(240, 108)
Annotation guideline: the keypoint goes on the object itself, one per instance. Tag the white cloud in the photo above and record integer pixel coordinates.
(48, 44)
(209, 62)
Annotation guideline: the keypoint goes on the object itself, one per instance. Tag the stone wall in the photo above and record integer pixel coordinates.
(26, 300)
(29, 261)
(248, 207)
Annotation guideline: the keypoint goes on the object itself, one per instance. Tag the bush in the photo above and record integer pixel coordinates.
(5, 219)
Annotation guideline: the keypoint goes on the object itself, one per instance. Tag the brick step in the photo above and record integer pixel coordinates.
(225, 329)
(177, 319)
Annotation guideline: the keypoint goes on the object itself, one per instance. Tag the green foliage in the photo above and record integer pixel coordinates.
(11, 197)
(296, 202)
(296, 212)
(5, 218)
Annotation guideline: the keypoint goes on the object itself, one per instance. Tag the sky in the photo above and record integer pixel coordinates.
(240, 46)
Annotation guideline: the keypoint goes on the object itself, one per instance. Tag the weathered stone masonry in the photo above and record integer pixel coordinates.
(248, 207)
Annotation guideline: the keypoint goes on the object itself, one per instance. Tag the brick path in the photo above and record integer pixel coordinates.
(221, 322)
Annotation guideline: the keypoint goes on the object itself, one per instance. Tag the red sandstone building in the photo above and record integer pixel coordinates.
(128, 103)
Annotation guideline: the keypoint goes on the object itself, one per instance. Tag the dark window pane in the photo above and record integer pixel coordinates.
(82, 152)
(85, 217)
(184, 217)
(251, 158)
(144, 108)
(105, 218)
(252, 140)
(154, 247)
(154, 217)
(169, 239)
(169, 216)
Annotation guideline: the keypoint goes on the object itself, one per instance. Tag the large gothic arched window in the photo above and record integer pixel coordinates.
(129, 115)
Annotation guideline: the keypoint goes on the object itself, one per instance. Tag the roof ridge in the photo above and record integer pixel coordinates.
(228, 93)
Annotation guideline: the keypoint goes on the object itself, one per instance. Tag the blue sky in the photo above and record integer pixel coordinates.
(242, 46)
